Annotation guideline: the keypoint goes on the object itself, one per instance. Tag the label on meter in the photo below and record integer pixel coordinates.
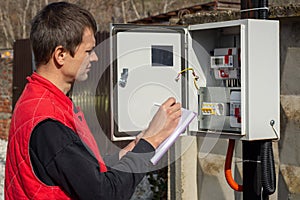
(235, 109)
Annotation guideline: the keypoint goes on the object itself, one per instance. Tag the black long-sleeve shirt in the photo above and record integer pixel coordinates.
(59, 158)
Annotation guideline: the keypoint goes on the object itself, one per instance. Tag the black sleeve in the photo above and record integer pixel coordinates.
(60, 158)
(111, 160)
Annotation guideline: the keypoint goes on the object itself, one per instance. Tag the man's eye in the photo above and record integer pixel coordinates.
(90, 52)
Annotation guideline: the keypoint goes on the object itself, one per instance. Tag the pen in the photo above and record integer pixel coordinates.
(157, 104)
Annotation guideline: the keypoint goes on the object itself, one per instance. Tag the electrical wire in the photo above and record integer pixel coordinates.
(228, 173)
(193, 73)
(268, 168)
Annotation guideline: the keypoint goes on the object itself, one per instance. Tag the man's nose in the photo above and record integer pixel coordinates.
(93, 57)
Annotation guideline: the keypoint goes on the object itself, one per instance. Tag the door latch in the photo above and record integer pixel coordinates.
(123, 78)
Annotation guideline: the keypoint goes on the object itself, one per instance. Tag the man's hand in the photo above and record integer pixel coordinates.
(163, 123)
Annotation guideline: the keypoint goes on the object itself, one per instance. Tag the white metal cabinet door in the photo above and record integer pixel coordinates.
(145, 65)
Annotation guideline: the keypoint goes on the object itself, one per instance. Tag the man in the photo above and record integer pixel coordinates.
(51, 152)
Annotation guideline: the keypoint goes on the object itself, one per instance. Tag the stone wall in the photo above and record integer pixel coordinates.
(6, 68)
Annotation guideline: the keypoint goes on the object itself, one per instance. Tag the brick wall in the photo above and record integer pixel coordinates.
(6, 78)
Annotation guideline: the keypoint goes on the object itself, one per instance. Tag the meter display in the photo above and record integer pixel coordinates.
(162, 55)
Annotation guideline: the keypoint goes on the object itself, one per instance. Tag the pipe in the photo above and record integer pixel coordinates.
(228, 173)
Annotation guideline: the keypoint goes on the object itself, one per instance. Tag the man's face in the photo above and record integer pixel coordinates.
(79, 65)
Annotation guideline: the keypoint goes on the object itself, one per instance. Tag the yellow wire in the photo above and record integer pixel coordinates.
(186, 69)
(195, 78)
(195, 83)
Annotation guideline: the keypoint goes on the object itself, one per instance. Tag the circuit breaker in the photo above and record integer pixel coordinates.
(227, 72)
(220, 109)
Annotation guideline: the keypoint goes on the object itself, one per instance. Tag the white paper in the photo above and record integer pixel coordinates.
(186, 118)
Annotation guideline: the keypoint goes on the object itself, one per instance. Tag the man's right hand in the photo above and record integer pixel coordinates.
(163, 123)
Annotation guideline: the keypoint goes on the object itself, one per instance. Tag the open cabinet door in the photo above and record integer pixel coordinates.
(145, 62)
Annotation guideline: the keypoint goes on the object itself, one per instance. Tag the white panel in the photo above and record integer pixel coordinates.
(263, 79)
(146, 84)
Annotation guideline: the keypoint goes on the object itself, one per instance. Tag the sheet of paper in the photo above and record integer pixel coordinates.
(186, 118)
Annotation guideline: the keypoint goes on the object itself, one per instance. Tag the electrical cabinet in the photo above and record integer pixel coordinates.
(227, 72)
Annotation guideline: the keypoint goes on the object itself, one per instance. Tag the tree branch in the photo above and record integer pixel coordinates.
(135, 10)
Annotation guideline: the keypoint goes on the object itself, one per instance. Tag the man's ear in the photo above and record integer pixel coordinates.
(59, 55)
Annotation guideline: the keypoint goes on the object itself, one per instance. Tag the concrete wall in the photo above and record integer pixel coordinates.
(211, 183)
(289, 145)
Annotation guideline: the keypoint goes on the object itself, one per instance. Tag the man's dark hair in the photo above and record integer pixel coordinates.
(59, 23)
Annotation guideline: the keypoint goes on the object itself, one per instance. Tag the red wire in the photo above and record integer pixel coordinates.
(228, 172)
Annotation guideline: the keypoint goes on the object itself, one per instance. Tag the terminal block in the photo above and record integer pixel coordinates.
(209, 108)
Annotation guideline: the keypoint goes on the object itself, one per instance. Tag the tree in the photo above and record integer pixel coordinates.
(6, 24)
(15, 15)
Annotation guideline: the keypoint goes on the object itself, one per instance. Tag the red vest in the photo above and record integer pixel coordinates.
(40, 100)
